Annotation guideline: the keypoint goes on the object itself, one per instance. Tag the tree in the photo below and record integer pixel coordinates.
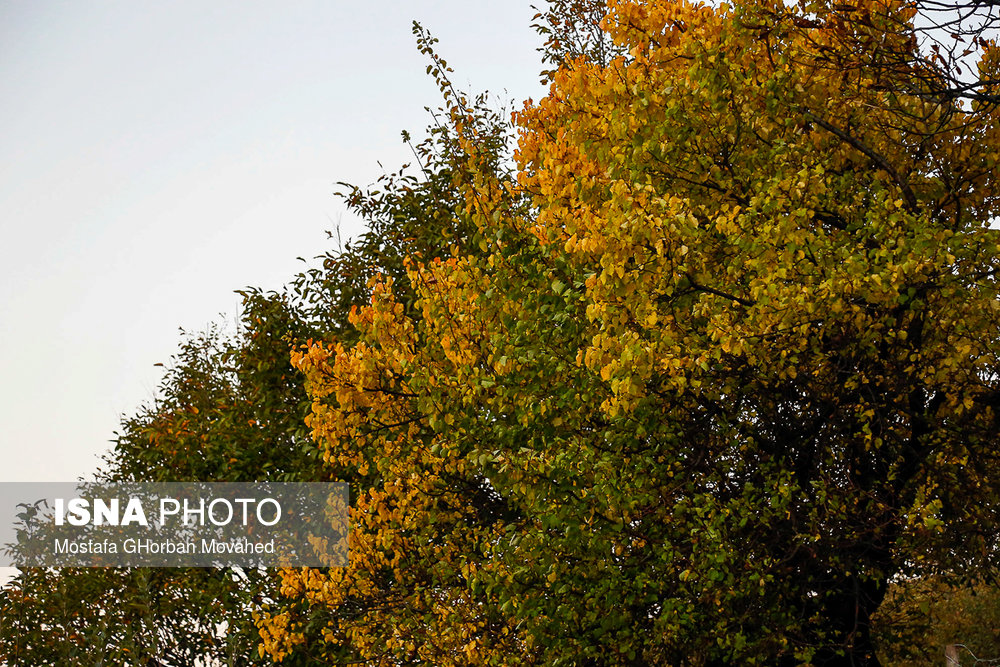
(230, 408)
(724, 366)
(139, 616)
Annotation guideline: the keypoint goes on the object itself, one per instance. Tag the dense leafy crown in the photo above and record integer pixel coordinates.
(724, 364)
(695, 376)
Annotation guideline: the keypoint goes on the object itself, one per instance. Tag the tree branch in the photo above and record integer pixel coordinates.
(711, 290)
(911, 199)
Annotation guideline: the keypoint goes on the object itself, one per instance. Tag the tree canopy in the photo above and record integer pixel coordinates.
(704, 372)
(723, 368)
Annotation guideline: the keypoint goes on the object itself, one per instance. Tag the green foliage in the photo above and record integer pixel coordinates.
(228, 409)
(110, 616)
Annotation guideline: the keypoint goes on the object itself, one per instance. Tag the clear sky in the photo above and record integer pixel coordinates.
(156, 156)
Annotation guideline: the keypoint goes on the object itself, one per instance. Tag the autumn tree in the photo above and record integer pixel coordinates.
(692, 384)
(724, 366)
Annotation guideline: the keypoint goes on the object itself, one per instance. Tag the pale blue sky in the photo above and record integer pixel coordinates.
(156, 156)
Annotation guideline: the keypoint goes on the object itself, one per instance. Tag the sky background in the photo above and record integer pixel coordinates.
(155, 157)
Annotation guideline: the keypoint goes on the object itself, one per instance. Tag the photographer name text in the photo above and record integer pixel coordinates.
(145, 546)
